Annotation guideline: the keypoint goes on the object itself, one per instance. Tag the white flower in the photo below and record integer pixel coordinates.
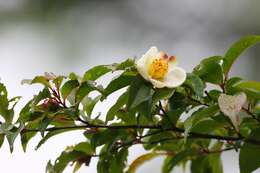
(160, 70)
(231, 106)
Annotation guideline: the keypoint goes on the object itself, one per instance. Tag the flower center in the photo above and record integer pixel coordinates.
(158, 68)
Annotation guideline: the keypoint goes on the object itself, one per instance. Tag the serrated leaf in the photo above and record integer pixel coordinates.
(237, 49)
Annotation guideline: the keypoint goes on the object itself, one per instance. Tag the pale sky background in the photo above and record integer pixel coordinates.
(38, 36)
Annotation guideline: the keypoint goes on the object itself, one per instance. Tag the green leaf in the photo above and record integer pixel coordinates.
(172, 117)
(195, 83)
(179, 100)
(121, 101)
(171, 161)
(98, 71)
(249, 159)
(2, 137)
(49, 168)
(210, 70)
(13, 134)
(51, 134)
(5, 112)
(112, 162)
(141, 160)
(43, 125)
(41, 80)
(200, 165)
(230, 85)
(162, 94)
(105, 137)
(84, 147)
(58, 81)
(89, 104)
(207, 125)
(139, 92)
(237, 49)
(120, 82)
(199, 115)
(68, 87)
(215, 159)
(27, 136)
(251, 88)
(85, 88)
(69, 156)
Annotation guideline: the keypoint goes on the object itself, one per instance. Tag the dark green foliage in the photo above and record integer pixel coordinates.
(186, 124)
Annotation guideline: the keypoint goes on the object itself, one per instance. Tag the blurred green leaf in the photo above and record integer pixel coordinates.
(139, 92)
(89, 104)
(67, 157)
(41, 80)
(251, 88)
(68, 87)
(98, 71)
(13, 134)
(162, 94)
(195, 83)
(199, 115)
(171, 161)
(230, 85)
(85, 88)
(237, 49)
(119, 82)
(210, 70)
(141, 160)
(27, 136)
(121, 101)
(112, 162)
(51, 134)
(249, 159)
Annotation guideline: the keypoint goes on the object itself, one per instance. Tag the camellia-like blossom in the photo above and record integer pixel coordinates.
(231, 106)
(160, 69)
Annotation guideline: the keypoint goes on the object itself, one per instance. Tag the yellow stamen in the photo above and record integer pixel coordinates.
(158, 68)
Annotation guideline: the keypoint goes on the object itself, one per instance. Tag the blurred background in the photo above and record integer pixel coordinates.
(62, 36)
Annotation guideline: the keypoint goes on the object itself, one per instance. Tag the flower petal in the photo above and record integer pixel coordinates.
(175, 77)
(157, 83)
(143, 63)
